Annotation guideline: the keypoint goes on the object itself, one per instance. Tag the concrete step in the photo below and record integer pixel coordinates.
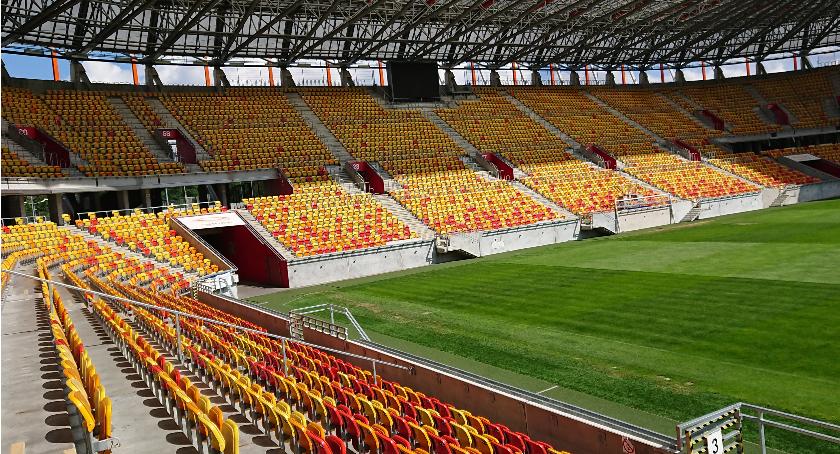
(462, 142)
(139, 129)
(266, 235)
(692, 214)
(407, 217)
(320, 129)
(340, 177)
(170, 121)
(542, 121)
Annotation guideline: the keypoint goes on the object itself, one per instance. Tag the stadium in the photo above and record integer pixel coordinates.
(420, 227)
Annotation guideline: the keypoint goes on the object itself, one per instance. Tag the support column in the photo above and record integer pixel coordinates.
(13, 206)
(221, 192)
(346, 78)
(719, 73)
(574, 78)
(54, 202)
(495, 80)
(147, 198)
(6, 76)
(536, 78)
(78, 75)
(643, 78)
(286, 80)
(123, 201)
(806, 62)
(610, 78)
(153, 81)
(220, 77)
(759, 69)
(449, 81)
(679, 76)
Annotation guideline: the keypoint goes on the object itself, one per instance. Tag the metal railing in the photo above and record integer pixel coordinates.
(333, 309)
(178, 314)
(726, 426)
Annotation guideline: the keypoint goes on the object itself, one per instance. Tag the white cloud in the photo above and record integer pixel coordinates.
(182, 75)
(107, 72)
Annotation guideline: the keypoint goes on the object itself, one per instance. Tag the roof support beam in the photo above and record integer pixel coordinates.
(39, 19)
(234, 33)
(372, 5)
(299, 45)
(802, 24)
(125, 16)
(762, 34)
(187, 22)
(291, 9)
(452, 24)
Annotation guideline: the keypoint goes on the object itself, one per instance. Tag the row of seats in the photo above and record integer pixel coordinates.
(15, 166)
(657, 114)
(803, 96)
(493, 124)
(305, 399)
(87, 124)
(587, 122)
(827, 151)
(136, 102)
(250, 128)
(733, 103)
(435, 185)
(321, 217)
(151, 235)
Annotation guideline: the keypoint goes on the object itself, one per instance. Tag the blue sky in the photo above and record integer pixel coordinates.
(41, 68)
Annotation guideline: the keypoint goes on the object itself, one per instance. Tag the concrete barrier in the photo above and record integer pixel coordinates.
(325, 268)
(480, 244)
(730, 205)
(629, 221)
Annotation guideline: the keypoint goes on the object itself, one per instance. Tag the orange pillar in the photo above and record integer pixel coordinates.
(703, 67)
(381, 74)
(662, 73)
(747, 62)
(56, 74)
(329, 76)
(472, 70)
(270, 76)
(551, 71)
(207, 76)
(586, 72)
(795, 63)
(134, 71)
(623, 76)
(513, 69)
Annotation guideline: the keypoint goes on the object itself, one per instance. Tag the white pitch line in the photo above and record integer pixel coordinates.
(547, 389)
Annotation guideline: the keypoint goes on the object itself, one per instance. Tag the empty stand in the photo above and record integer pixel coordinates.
(804, 96)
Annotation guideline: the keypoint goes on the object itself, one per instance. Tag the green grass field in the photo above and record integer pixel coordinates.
(671, 322)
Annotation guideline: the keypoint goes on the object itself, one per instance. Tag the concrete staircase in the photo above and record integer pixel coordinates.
(462, 142)
(170, 121)
(692, 214)
(269, 239)
(407, 217)
(340, 177)
(139, 129)
(624, 118)
(320, 129)
(682, 110)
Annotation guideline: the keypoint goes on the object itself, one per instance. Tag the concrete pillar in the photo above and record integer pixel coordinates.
(679, 76)
(147, 198)
(203, 193)
(123, 201)
(153, 81)
(449, 81)
(56, 207)
(610, 79)
(286, 79)
(346, 78)
(78, 75)
(574, 78)
(759, 68)
(220, 77)
(221, 192)
(495, 80)
(643, 78)
(806, 62)
(719, 73)
(536, 78)
(7, 78)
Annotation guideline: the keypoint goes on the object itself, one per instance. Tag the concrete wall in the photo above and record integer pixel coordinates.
(722, 207)
(562, 429)
(366, 262)
(680, 208)
(826, 190)
(480, 244)
(635, 220)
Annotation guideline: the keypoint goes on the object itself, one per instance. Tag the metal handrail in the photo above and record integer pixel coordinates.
(179, 314)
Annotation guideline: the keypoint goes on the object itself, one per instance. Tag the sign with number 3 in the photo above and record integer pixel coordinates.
(714, 442)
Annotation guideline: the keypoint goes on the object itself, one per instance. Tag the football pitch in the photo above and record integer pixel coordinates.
(670, 322)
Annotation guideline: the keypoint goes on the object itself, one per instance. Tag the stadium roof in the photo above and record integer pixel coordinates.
(536, 33)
